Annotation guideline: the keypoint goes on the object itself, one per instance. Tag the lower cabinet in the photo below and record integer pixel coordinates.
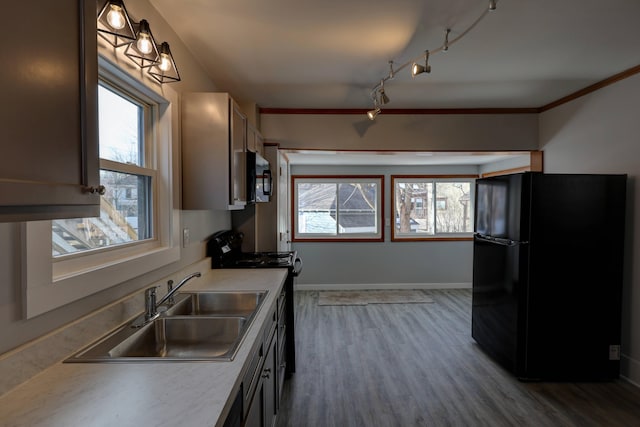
(262, 382)
(262, 409)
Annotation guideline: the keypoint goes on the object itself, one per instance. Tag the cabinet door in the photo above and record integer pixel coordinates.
(48, 113)
(238, 159)
(269, 374)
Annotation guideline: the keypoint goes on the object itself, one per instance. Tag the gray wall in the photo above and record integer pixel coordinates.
(600, 133)
(384, 264)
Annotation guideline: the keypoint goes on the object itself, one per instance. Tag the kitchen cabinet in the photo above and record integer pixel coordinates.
(263, 398)
(255, 141)
(49, 166)
(214, 144)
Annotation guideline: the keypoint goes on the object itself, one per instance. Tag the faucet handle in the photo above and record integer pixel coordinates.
(150, 302)
(170, 300)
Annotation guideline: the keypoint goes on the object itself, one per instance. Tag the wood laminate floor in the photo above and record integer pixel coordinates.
(407, 365)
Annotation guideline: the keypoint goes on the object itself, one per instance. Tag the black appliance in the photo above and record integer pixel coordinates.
(224, 248)
(547, 274)
(259, 181)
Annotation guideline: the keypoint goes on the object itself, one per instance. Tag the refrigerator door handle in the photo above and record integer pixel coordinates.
(498, 240)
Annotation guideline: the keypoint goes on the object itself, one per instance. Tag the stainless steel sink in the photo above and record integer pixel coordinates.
(232, 303)
(201, 326)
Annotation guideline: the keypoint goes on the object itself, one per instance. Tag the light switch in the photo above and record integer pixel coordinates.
(185, 237)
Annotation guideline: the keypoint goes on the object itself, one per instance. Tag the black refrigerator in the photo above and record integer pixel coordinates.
(547, 274)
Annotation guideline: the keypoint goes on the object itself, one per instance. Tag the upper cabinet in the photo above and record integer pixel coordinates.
(214, 144)
(49, 166)
(255, 142)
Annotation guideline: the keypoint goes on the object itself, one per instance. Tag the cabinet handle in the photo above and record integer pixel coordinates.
(100, 189)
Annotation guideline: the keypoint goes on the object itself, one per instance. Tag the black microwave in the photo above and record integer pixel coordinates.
(259, 182)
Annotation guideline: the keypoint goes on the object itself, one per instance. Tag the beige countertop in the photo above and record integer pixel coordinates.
(144, 394)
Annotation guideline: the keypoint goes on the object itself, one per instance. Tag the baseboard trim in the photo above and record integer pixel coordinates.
(363, 286)
(630, 370)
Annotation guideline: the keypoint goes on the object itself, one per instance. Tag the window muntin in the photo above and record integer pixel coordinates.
(338, 208)
(426, 207)
(126, 209)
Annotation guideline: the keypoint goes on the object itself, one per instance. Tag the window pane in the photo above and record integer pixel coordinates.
(124, 217)
(119, 128)
(338, 207)
(414, 205)
(357, 209)
(453, 207)
(316, 208)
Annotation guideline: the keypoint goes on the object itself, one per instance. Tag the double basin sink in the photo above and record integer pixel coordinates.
(199, 326)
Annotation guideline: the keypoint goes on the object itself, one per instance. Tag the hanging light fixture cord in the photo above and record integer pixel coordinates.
(444, 48)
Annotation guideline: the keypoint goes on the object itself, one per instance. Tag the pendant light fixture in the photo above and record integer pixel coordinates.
(114, 24)
(165, 70)
(143, 51)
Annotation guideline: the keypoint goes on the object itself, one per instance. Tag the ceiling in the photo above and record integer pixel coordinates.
(331, 54)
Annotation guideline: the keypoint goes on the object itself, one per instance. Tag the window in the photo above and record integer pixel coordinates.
(125, 170)
(138, 230)
(330, 208)
(431, 207)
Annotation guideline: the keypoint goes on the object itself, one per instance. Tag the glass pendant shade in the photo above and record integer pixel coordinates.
(143, 51)
(165, 70)
(114, 24)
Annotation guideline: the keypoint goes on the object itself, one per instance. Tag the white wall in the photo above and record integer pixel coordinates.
(600, 133)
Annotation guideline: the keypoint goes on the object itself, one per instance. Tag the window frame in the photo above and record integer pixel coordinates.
(336, 179)
(52, 284)
(406, 237)
(147, 119)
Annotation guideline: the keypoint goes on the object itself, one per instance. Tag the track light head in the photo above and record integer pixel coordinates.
(418, 68)
(384, 99)
(492, 5)
(445, 47)
(373, 113)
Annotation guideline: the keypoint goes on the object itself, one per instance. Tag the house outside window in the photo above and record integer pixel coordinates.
(124, 171)
(337, 208)
(432, 207)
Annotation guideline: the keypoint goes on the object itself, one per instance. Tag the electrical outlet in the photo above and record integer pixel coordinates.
(185, 237)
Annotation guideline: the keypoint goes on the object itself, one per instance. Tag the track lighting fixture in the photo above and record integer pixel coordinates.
(418, 68)
(445, 47)
(392, 73)
(378, 93)
(384, 99)
(373, 113)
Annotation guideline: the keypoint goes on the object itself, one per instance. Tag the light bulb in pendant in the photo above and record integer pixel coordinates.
(144, 42)
(165, 62)
(115, 17)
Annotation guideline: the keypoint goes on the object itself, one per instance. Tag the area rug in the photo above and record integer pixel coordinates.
(392, 296)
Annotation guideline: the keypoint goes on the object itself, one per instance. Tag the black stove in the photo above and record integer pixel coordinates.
(224, 248)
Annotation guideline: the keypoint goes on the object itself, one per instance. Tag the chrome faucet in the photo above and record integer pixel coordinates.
(150, 304)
